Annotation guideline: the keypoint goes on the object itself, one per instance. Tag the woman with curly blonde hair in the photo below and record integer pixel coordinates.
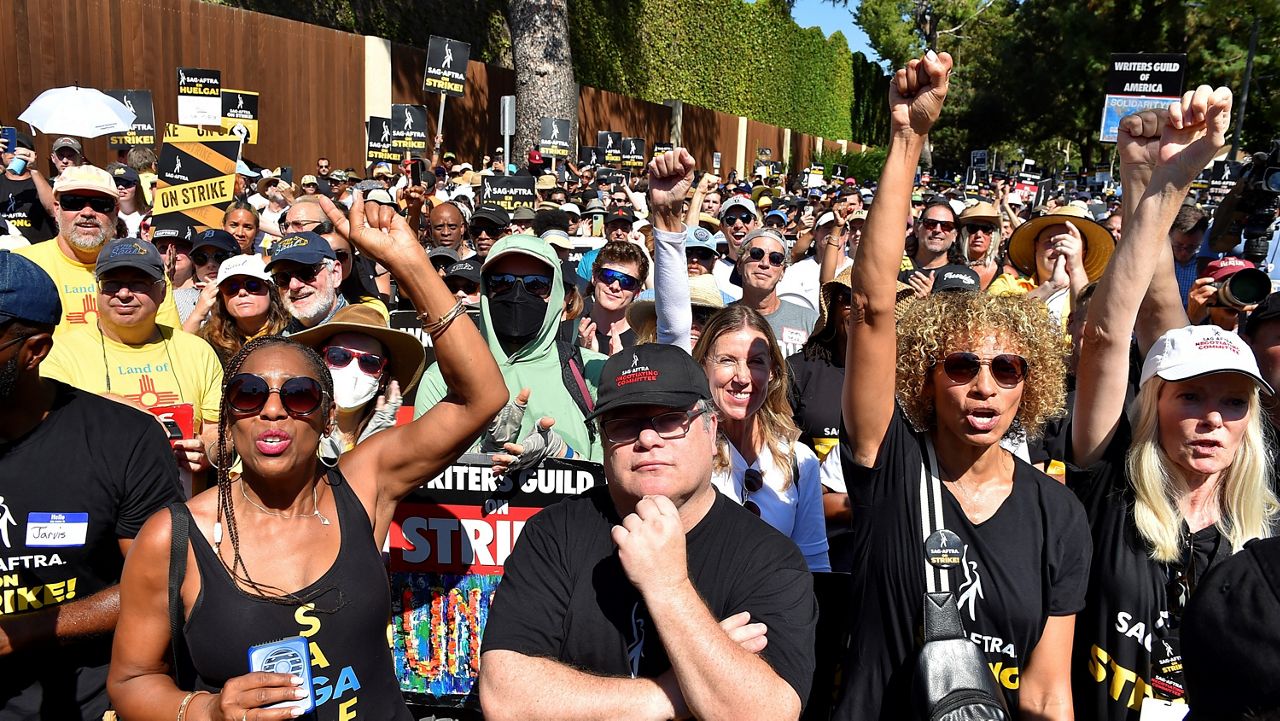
(760, 461)
(926, 404)
(1184, 480)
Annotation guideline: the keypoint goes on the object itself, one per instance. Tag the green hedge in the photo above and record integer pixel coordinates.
(736, 57)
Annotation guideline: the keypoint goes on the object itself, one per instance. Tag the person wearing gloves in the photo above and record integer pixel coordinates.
(372, 366)
(553, 383)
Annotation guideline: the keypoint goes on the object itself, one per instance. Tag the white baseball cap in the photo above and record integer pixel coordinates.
(250, 265)
(1198, 350)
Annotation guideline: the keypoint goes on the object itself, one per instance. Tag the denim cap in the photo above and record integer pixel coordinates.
(129, 253)
(305, 248)
(27, 293)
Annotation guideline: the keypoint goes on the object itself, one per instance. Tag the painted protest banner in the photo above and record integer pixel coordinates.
(196, 177)
(240, 114)
(660, 148)
(633, 153)
(509, 191)
(378, 148)
(446, 71)
(611, 144)
(449, 541)
(143, 130)
(1137, 81)
(590, 155)
(199, 96)
(553, 137)
(409, 129)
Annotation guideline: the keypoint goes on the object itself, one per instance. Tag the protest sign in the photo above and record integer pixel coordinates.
(1137, 81)
(509, 191)
(196, 179)
(660, 148)
(199, 96)
(1223, 175)
(633, 153)
(610, 176)
(978, 159)
(409, 129)
(839, 172)
(590, 155)
(449, 541)
(553, 137)
(446, 71)
(815, 176)
(240, 114)
(611, 145)
(378, 145)
(143, 130)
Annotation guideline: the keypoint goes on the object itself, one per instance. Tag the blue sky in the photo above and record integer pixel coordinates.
(831, 18)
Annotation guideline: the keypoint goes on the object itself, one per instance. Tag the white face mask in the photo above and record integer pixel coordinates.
(352, 387)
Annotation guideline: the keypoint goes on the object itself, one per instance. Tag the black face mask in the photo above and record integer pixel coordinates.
(517, 314)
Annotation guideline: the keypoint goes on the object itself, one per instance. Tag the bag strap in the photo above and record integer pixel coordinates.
(180, 519)
(575, 382)
(936, 580)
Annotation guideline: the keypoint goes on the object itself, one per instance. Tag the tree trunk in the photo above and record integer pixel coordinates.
(544, 71)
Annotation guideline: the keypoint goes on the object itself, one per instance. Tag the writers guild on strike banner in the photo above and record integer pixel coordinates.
(199, 96)
(467, 521)
(446, 71)
(409, 128)
(510, 192)
(143, 129)
(379, 148)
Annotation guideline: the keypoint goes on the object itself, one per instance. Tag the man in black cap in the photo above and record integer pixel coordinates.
(489, 224)
(304, 266)
(26, 198)
(67, 153)
(618, 223)
(131, 358)
(650, 596)
(81, 474)
(463, 279)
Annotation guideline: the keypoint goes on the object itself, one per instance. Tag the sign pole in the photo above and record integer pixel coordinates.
(440, 117)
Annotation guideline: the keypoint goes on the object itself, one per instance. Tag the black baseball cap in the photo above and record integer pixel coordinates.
(129, 253)
(173, 226)
(306, 248)
(651, 374)
(1231, 638)
(619, 214)
(468, 269)
(1268, 309)
(955, 277)
(493, 213)
(217, 238)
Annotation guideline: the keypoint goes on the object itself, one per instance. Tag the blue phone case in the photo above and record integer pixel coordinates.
(288, 655)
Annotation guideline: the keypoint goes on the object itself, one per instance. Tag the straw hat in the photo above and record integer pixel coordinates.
(703, 291)
(406, 357)
(1098, 243)
(842, 279)
(981, 211)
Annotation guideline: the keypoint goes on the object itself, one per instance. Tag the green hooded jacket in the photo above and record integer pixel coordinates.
(536, 365)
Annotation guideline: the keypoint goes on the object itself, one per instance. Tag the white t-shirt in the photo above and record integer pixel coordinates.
(722, 271)
(133, 222)
(800, 283)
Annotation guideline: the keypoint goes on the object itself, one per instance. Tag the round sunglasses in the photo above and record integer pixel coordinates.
(1007, 369)
(248, 393)
(776, 258)
(335, 356)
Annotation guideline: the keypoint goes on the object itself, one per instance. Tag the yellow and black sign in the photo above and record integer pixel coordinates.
(240, 114)
(446, 71)
(197, 175)
(143, 130)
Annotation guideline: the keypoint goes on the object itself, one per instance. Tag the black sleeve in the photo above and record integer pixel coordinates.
(531, 604)
(1070, 556)
(150, 478)
(794, 390)
(1106, 477)
(898, 461)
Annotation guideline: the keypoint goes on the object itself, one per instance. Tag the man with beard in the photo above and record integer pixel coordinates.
(305, 267)
(86, 206)
(78, 468)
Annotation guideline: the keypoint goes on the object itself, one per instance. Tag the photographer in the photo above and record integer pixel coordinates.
(1206, 301)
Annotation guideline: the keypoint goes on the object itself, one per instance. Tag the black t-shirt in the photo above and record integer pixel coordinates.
(816, 386)
(21, 208)
(1125, 610)
(91, 473)
(1027, 562)
(626, 337)
(565, 596)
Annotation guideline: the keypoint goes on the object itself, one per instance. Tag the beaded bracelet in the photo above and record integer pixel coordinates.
(182, 708)
(434, 328)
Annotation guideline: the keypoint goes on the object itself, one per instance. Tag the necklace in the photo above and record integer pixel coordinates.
(315, 505)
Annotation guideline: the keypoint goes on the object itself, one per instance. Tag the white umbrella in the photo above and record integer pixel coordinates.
(82, 112)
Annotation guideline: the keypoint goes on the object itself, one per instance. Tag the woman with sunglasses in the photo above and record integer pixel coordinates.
(133, 204)
(248, 306)
(210, 250)
(1185, 478)
(291, 546)
(372, 366)
(982, 241)
(926, 409)
(616, 279)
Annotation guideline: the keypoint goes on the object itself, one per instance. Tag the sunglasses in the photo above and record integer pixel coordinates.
(980, 228)
(335, 356)
(492, 230)
(731, 218)
(200, 257)
(609, 276)
(126, 184)
(667, 425)
(342, 255)
(1007, 369)
(305, 274)
(1179, 587)
(702, 314)
(776, 258)
(946, 225)
(455, 285)
(233, 286)
(752, 481)
(76, 203)
(536, 283)
(699, 255)
(136, 287)
(248, 393)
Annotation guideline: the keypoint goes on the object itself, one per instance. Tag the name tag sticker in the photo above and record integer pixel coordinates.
(1157, 710)
(56, 530)
(794, 336)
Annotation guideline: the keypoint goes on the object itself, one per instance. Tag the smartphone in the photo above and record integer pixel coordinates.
(415, 172)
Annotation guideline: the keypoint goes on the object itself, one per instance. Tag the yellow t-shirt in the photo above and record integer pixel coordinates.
(180, 368)
(79, 289)
(1010, 284)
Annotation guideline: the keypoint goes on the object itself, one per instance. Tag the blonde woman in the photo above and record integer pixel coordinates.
(1186, 482)
(981, 239)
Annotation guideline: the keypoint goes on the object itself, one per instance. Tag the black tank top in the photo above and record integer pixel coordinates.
(344, 616)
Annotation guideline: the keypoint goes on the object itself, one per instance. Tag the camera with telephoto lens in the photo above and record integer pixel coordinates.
(1248, 211)
(1241, 289)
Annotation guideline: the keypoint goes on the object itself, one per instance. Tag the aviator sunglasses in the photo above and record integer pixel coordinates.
(1007, 369)
(248, 393)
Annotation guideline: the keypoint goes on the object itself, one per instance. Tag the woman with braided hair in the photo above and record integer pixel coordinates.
(291, 546)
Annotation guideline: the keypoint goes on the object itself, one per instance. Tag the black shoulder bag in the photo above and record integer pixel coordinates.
(183, 670)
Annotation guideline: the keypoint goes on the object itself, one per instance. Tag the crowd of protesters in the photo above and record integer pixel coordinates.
(201, 450)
